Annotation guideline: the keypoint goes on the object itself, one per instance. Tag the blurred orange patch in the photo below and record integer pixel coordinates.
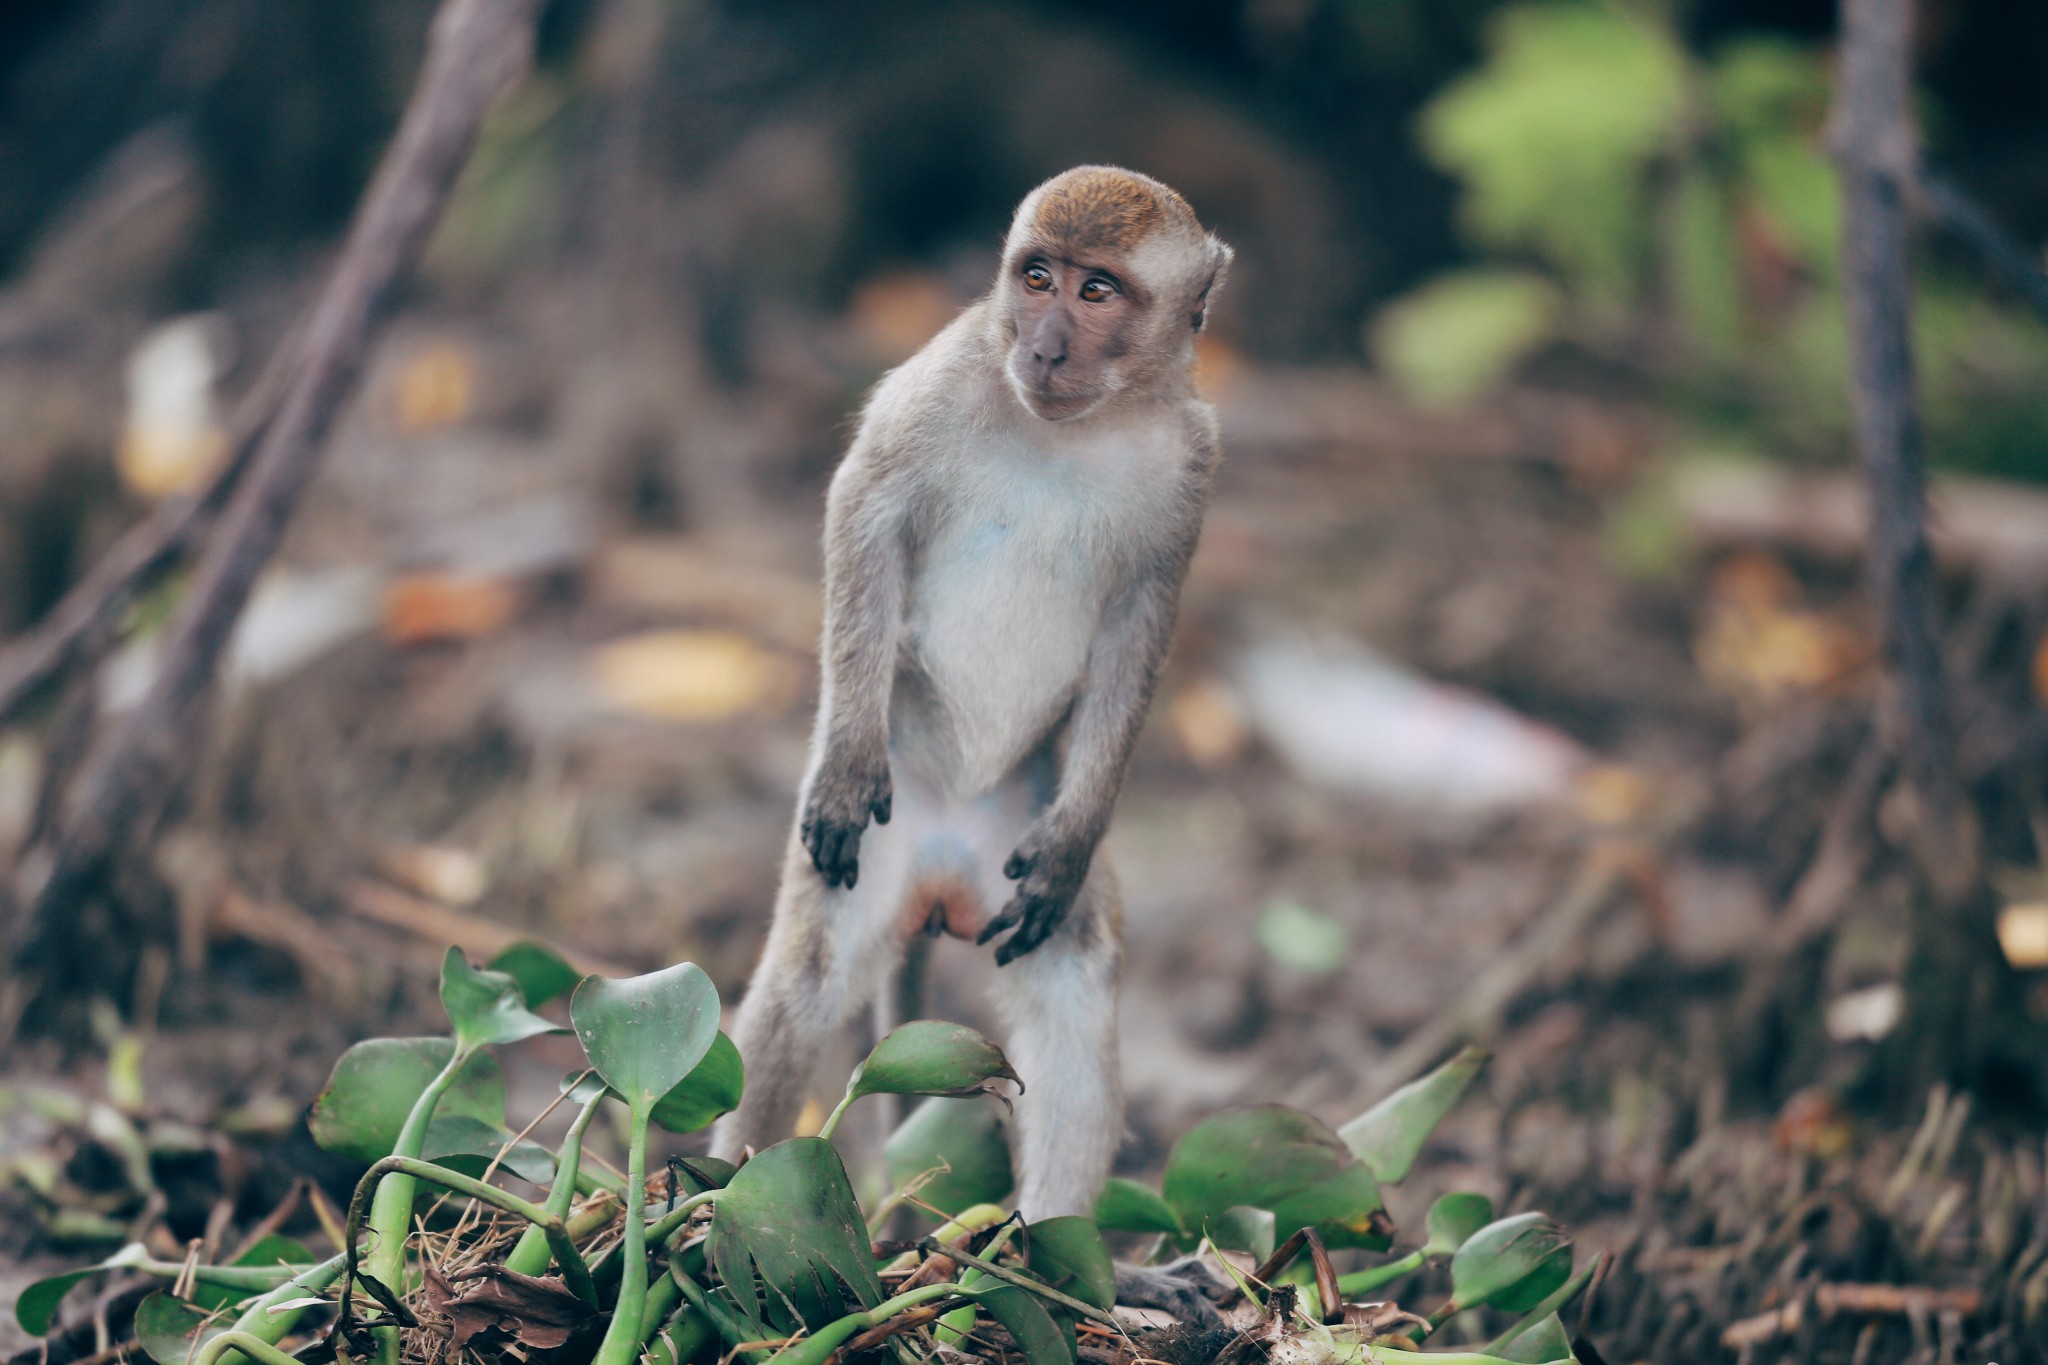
(420, 607)
(692, 675)
(895, 314)
(1758, 643)
(435, 388)
(1208, 723)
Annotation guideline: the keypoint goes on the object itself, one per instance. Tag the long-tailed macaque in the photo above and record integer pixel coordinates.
(1004, 544)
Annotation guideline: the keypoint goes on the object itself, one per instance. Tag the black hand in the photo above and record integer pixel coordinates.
(1048, 878)
(842, 799)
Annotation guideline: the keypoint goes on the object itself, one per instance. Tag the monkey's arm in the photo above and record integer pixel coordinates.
(866, 572)
(1123, 665)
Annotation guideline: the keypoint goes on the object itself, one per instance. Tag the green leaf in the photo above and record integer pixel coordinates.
(712, 1088)
(464, 1143)
(965, 1135)
(1554, 137)
(1345, 1209)
(1243, 1228)
(1464, 332)
(1512, 1264)
(541, 972)
(931, 1057)
(1275, 1158)
(789, 1217)
(171, 1330)
(375, 1084)
(1389, 1136)
(486, 1007)
(1069, 1254)
(1452, 1220)
(1544, 1344)
(36, 1306)
(1126, 1206)
(1024, 1315)
(270, 1249)
(1306, 940)
(647, 1033)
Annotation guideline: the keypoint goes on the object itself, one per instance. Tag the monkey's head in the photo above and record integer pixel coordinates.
(1106, 279)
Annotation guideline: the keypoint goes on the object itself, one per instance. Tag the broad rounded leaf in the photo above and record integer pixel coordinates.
(1389, 1136)
(1544, 1344)
(1452, 1220)
(1126, 1206)
(374, 1085)
(172, 1330)
(36, 1306)
(1512, 1264)
(467, 1144)
(931, 1057)
(541, 972)
(647, 1033)
(1069, 1254)
(486, 1007)
(1345, 1209)
(787, 1226)
(1243, 1228)
(1275, 1158)
(712, 1088)
(964, 1135)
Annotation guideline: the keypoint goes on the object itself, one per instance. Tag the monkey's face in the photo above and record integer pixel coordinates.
(1073, 326)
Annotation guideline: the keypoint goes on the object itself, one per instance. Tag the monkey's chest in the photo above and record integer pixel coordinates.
(1001, 619)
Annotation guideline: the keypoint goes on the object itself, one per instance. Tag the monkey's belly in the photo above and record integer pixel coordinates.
(1004, 638)
(937, 866)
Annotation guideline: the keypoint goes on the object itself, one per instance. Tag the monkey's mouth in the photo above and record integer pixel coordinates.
(1057, 404)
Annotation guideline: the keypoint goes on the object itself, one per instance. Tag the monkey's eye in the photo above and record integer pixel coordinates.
(1096, 290)
(1037, 277)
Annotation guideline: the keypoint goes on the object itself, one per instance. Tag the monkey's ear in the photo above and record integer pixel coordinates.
(1219, 265)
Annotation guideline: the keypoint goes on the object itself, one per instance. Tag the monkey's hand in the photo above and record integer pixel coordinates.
(1048, 873)
(849, 788)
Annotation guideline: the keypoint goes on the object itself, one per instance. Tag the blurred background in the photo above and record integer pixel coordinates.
(1525, 680)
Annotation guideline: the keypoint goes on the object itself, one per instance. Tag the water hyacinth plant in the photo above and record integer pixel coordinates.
(774, 1262)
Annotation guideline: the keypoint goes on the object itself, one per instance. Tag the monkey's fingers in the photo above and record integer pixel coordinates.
(1020, 863)
(882, 806)
(1011, 915)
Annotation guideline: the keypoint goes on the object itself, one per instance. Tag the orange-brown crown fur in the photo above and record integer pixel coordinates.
(1104, 207)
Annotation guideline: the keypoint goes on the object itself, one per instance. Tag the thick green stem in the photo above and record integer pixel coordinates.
(411, 1169)
(733, 1326)
(1365, 1281)
(530, 1255)
(815, 1348)
(683, 1336)
(391, 1216)
(249, 1278)
(258, 1320)
(664, 1227)
(831, 1123)
(622, 1339)
(1038, 1287)
(248, 1343)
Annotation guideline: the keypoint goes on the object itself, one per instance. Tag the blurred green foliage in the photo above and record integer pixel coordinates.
(1675, 213)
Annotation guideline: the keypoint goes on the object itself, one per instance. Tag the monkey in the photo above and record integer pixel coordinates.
(1005, 543)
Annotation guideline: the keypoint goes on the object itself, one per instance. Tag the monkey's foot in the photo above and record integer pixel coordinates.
(1189, 1289)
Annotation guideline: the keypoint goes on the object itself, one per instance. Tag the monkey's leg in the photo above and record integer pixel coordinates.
(1059, 1010)
(827, 953)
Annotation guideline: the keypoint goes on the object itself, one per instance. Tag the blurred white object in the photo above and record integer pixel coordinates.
(1346, 719)
(295, 616)
(1868, 1014)
(173, 437)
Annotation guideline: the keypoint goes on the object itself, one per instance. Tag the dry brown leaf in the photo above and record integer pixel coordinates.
(540, 1313)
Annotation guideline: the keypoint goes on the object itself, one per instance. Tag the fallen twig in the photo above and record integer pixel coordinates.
(1896, 1300)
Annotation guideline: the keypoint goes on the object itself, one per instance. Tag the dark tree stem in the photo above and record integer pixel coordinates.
(477, 49)
(1961, 1022)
